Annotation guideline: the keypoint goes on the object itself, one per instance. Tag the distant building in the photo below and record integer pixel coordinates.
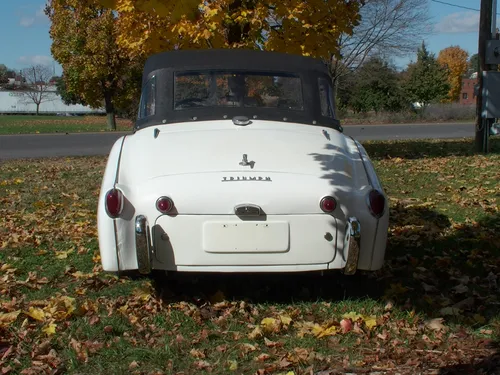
(468, 95)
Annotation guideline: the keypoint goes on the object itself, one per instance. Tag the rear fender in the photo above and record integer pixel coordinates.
(105, 224)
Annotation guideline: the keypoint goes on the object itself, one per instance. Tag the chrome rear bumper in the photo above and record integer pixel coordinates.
(143, 245)
(352, 243)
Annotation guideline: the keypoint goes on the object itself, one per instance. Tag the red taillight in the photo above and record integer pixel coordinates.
(328, 204)
(114, 203)
(164, 205)
(376, 202)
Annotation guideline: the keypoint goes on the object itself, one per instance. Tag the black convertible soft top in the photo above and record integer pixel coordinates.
(164, 65)
(243, 59)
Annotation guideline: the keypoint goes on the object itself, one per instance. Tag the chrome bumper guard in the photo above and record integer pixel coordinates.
(352, 242)
(143, 245)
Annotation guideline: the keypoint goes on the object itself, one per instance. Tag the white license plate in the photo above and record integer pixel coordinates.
(246, 237)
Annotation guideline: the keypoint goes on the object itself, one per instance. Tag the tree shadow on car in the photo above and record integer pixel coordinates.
(419, 149)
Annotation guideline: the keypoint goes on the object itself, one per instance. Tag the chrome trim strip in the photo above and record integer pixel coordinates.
(353, 241)
(370, 182)
(119, 161)
(116, 246)
(142, 245)
(117, 249)
(374, 243)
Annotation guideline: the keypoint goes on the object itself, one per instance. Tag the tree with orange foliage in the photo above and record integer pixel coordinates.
(311, 28)
(454, 59)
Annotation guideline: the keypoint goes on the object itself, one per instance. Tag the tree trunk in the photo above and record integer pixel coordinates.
(110, 111)
(37, 108)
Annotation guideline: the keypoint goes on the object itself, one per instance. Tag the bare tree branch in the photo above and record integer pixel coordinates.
(388, 28)
(37, 79)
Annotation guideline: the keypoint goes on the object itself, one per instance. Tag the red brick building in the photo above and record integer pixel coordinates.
(467, 95)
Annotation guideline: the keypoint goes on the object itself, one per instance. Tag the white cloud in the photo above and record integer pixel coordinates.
(35, 60)
(460, 22)
(37, 18)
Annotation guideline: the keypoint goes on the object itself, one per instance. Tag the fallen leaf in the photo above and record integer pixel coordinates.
(269, 343)
(256, 333)
(345, 325)
(486, 331)
(263, 357)
(352, 315)
(8, 318)
(285, 320)
(370, 321)
(248, 348)
(197, 353)
(50, 329)
(269, 325)
(232, 364)
(436, 324)
(63, 254)
(202, 364)
(36, 313)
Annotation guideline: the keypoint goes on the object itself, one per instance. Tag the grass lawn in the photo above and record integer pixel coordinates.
(57, 124)
(433, 308)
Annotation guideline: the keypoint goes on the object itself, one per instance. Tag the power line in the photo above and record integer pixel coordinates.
(456, 6)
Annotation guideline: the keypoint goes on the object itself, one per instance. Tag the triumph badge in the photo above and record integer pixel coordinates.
(246, 163)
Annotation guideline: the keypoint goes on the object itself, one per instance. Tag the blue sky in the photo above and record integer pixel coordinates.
(26, 39)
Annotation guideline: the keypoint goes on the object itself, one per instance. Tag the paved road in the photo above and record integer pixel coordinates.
(86, 144)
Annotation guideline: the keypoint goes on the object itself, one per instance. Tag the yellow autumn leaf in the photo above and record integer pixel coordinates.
(317, 329)
(36, 313)
(352, 315)
(8, 318)
(50, 329)
(142, 293)
(269, 324)
(285, 320)
(63, 254)
(330, 331)
(256, 333)
(370, 321)
(61, 308)
(233, 365)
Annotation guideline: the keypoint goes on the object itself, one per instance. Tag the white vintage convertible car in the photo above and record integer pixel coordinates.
(238, 164)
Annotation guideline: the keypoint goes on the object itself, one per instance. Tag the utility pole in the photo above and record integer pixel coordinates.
(485, 33)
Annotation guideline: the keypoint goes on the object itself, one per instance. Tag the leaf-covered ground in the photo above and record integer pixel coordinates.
(432, 309)
(18, 124)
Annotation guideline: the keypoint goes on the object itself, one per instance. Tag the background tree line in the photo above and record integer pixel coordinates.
(377, 86)
(103, 44)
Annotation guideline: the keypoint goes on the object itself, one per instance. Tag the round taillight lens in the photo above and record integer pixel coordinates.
(328, 204)
(164, 205)
(114, 203)
(376, 201)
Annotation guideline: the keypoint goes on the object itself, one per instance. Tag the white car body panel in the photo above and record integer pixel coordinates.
(197, 165)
